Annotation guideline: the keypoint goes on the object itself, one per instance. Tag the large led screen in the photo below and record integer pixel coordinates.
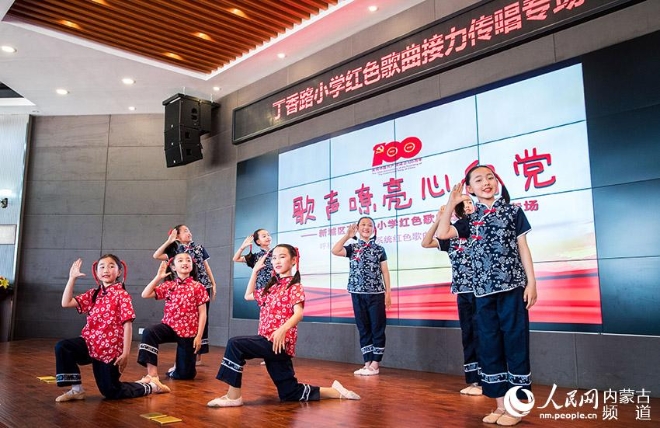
(399, 172)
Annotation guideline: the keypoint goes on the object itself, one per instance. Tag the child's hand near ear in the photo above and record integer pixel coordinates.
(261, 262)
(172, 236)
(162, 271)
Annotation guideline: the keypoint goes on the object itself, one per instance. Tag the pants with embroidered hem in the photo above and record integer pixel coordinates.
(185, 351)
(72, 353)
(503, 329)
(279, 366)
(370, 319)
(467, 319)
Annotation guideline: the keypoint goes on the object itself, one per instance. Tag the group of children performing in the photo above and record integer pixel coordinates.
(492, 275)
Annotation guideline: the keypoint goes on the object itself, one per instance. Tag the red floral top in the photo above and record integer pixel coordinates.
(104, 331)
(276, 308)
(182, 301)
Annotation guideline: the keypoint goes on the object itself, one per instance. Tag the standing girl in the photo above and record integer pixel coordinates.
(105, 342)
(369, 285)
(178, 241)
(262, 238)
(461, 286)
(504, 285)
(183, 320)
(281, 309)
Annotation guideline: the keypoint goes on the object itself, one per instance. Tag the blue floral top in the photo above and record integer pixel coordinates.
(199, 256)
(458, 251)
(266, 272)
(496, 262)
(365, 275)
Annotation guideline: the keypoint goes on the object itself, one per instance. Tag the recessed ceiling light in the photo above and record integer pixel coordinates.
(131, 108)
(173, 56)
(69, 24)
(237, 12)
(373, 8)
(8, 49)
(216, 88)
(281, 55)
(128, 81)
(62, 91)
(203, 36)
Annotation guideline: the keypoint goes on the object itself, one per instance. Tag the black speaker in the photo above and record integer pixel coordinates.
(184, 110)
(182, 146)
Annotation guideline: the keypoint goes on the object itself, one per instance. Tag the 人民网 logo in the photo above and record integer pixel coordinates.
(514, 406)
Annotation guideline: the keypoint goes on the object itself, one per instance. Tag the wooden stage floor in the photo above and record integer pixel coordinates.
(395, 398)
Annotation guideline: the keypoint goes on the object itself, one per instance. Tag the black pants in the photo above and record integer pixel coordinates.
(185, 351)
(370, 318)
(503, 323)
(279, 366)
(467, 317)
(72, 353)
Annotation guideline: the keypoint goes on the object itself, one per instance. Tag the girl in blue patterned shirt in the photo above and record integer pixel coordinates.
(504, 285)
(262, 238)
(369, 285)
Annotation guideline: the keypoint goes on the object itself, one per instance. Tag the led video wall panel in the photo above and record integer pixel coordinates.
(400, 171)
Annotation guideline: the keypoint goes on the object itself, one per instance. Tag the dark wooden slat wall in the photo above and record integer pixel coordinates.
(395, 398)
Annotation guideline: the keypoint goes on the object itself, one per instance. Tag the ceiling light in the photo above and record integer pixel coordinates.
(8, 49)
(128, 81)
(69, 24)
(281, 55)
(131, 108)
(62, 91)
(237, 12)
(203, 36)
(173, 56)
(216, 88)
(373, 8)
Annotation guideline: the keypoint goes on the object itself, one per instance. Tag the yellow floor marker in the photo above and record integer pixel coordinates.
(47, 379)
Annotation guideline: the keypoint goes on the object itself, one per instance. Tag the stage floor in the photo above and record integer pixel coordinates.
(395, 398)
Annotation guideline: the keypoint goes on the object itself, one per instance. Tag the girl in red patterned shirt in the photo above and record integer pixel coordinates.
(183, 319)
(105, 341)
(281, 309)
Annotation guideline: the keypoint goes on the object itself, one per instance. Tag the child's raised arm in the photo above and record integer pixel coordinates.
(159, 254)
(428, 241)
(445, 229)
(252, 283)
(338, 249)
(238, 257)
(148, 291)
(67, 296)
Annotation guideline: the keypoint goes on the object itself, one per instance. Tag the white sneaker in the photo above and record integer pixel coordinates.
(343, 392)
(225, 401)
(71, 395)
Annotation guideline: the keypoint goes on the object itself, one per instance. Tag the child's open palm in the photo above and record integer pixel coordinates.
(162, 270)
(456, 195)
(74, 272)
